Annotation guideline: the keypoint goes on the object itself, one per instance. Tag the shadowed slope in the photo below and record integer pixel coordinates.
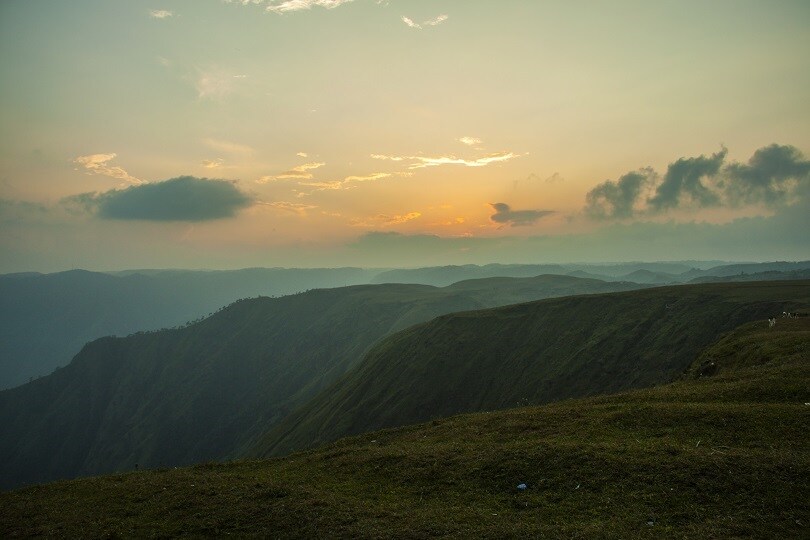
(209, 390)
(529, 354)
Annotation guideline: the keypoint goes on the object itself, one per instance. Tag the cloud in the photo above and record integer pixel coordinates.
(430, 22)
(212, 163)
(367, 178)
(616, 200)
(410, 22)
(346, 183)
(770, 176)
(301, 172)
(216, 83)
(516, 218)
(185, 198)
(284, 6)
(12, 211)
(420, 162)
(160, 14)
(436, 20)
(322, 186)
(385, 220)
(99, 164)
(295, 208)
(774, 177)
(683, 183)
(228, 147)
(469, 141)
(302, 154)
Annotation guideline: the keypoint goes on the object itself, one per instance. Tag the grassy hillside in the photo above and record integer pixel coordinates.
(720, 456)
(529, 354)
(207, 391)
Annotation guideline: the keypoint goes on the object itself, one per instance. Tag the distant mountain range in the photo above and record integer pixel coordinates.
(45, 319)
(209, 390)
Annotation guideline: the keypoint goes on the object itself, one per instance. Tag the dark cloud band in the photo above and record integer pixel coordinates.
(185, 198)
(775, 176)
(516, 218)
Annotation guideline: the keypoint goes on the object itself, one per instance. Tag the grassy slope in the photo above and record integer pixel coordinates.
(203, 392)
(725, 456)
(528, 354)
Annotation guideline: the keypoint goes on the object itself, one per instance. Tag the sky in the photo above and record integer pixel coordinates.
(381, 133)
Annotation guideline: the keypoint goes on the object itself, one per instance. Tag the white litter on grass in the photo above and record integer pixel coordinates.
(521, 487)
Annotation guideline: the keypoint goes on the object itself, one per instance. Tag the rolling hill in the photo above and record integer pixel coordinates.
(208, 390)
(530, 353)
(720, 456)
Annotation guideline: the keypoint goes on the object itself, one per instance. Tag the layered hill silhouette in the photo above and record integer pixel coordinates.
(45, 319)
(530, 353)
(710, 456)
(207, 391)
(658, 273)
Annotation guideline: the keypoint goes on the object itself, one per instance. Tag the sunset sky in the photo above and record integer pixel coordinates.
(227, 134)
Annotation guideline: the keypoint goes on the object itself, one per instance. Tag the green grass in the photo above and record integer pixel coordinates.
(720, 456)
(528, 354)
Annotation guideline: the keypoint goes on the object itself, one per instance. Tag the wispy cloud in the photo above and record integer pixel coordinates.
(216, 82)
(469, 141)
(516, 218)
(302, 154)
(100, 164)
(284, 6)
(347, 183)
(300, 172)
(295, 208)
(13, 211)
(321, 186)
(385, 220)
(160, 14)
(389, 158)
(430, 22)
(436, 20)
(298, 5)
(228, 147)
(410, 22)
(419, 162)
(212, 163)
(367, 178)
